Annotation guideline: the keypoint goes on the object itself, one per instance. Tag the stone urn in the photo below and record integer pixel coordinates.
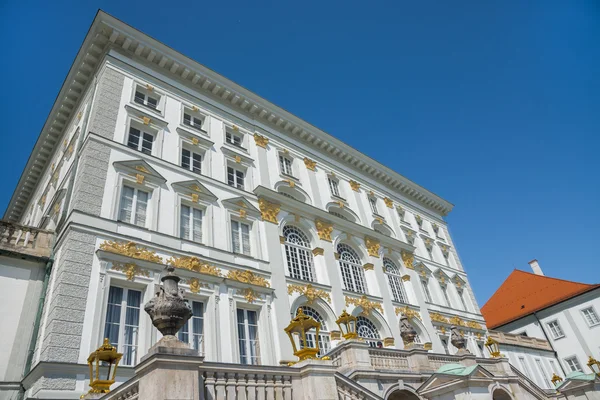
(407, 331)
(168, 310)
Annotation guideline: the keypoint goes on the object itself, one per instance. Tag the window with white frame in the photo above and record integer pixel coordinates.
(553, 367)
(590, 316)
(146, 97)
(193, 120)
(425, 287)
(524, 368)
(193, 330)
(373, 204)
(334, 186)
(461, 296)
(367, 331)
(353, 274)
(122, 322)
(247, 323)
(573, 364)
(444, 341)
(324, 340)
(542, 372)
(235, 177)
(133, 208)
(233, 138)
(446, 297)
(285, 164)
(140, 140)
(556, 330)
(395, 281)
(298, 253)
(191, 160)
(240, 237)
(190, 223)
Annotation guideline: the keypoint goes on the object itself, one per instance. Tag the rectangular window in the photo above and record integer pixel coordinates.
(192, 121)
(556, 330)
(134, 206)
(190, 224)
(573, 364)
(446, 297)
(193, 330)
(524, 368)
(461, 295)
(553, 367)
(445, 344)
(334, 187)
(191, 161)
(247, 322)
(590, 316)
(146, 99)
(373, 204)
(235, 178)
(141, 141)
(240, 237)
(233, 139)
(425, 287)
(542, 372)
(285, 164)
(122, 322)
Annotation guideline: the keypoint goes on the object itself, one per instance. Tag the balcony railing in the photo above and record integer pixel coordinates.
(520, 340)
(24, 239)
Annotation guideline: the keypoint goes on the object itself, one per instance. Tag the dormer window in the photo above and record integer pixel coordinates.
(191, 120)
(285, 164)
(140, 140)
(233, 138)
(145, 97)
(334, 186)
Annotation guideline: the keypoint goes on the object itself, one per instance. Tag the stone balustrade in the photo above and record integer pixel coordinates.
(222, 383)
(519, 340)
(26, 240)
(388, 359)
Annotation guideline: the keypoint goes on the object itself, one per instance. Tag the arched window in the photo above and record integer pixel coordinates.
(395, 281)
(353, 273)
(367, 330)
(298, 253)
(324, 344)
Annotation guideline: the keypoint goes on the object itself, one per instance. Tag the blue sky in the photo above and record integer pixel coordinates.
(495, 106)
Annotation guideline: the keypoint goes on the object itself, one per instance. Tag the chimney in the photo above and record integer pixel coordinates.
(535, 266)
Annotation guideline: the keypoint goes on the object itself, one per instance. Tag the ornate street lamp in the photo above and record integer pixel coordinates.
(594, 365)
(105, 356)
(347, 324)
(556, 379)
(297, 330)
(493, 347)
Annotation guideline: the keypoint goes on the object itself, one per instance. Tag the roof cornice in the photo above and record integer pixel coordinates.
(107, 31)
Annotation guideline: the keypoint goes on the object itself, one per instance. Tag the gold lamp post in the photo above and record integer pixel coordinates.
(297, 330)
(493, 347)
(105, 356)
(347, 324)
(594, 365)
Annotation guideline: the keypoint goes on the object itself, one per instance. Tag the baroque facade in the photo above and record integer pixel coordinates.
(150, 159)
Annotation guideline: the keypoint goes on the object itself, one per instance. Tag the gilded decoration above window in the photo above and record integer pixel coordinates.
(194, 264)
(261, 140)
(310, 164)
(324, 230)
(388, 202)
(355, 186)
(268, 210)
(250, 295)
(247, 277)
(373, 247)
(130, 270)
(408, 259)
(310, 292)
(409, 312)
(131, 249)
(363, 302)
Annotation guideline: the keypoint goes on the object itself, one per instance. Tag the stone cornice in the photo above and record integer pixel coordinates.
(108, 32)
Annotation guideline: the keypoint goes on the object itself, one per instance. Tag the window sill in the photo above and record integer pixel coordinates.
(288, 176)
(338, 198)
(156, 118)
(194, 128)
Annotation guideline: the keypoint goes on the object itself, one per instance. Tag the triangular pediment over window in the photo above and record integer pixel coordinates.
(240, 203)
(194, 188)
(134, 167)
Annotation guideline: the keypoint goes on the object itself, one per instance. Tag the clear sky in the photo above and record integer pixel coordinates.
(495, 106)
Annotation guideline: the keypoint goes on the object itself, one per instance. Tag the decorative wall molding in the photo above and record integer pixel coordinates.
(310, 292)
(367, 305)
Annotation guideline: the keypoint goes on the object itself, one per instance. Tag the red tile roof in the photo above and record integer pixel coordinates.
(524, 293)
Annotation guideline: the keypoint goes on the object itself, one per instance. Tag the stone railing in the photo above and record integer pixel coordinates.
(25, 239)
(389, 359)
(221, 384)
(347, 389)
(520, 340)
(437, 360)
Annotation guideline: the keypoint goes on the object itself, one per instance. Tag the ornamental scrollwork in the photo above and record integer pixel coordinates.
(373, 247)
(250, 295)
(366, 304)
(388, 202)
(409, 312)
(408, 259)
(355, 186)
(247, 277)
(437, 317)
(130, 249)
(196, 285)
(457, 321)
(324, 230)
(261, 140)
(310, 292)
(310, 164)
(474, 325)
(268, 210)
(194, 264)
(130, 270)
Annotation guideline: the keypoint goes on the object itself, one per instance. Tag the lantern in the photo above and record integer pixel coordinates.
(297, 330)
(556, 379)
(347, 324)
(594, 365)
(105, 356)
(493, 347)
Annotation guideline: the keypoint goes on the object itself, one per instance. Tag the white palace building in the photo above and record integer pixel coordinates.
(149, 159)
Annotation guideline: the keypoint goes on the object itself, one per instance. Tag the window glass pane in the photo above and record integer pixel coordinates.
(239, 176)
(133, 140)
(235, 236)
(126, 204)
(139, 97)
(147, 143)
(197, 163)
(113, 315)
(187, 119)
(246, 239)
(184, 228)
(230, 177)
(197, 221)
(185, 158)
(140, 208)
(152, 102)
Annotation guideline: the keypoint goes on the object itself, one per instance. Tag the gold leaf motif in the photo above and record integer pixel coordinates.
(457, 321)
(419, 219)
(79, 115)
(261, 140)
(70, 149)
(339, 203)
(195, 188)
(141, 168)
(408, 259)
(130, 249)
(437, 317)
(235, 128)
(445, 250)
(43, 200)
(196, 285)
(324, 230)
(250, 295)
(318, 251)
(130, 270)
(194, 264)
(247, 277)
(268, 211)
(241, 204)
(388, 202)
(290, 182)
(238, 159)
(355, 186)
(194, 108)
(368, 267)
(195, 141)
(388, 342)
(366, 305)
(310, 164)
(409, 312)
(146, 120)
(57, 208)
(406, 278)
(335, 335)
(149, 87)
(139, 178)
(195, 197)
(242, 213)
(310, 292)
(427, 346)
(373, 247)
(474, 325)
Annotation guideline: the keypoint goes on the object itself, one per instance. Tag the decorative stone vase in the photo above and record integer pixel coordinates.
(168, 310)
(407, 331)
